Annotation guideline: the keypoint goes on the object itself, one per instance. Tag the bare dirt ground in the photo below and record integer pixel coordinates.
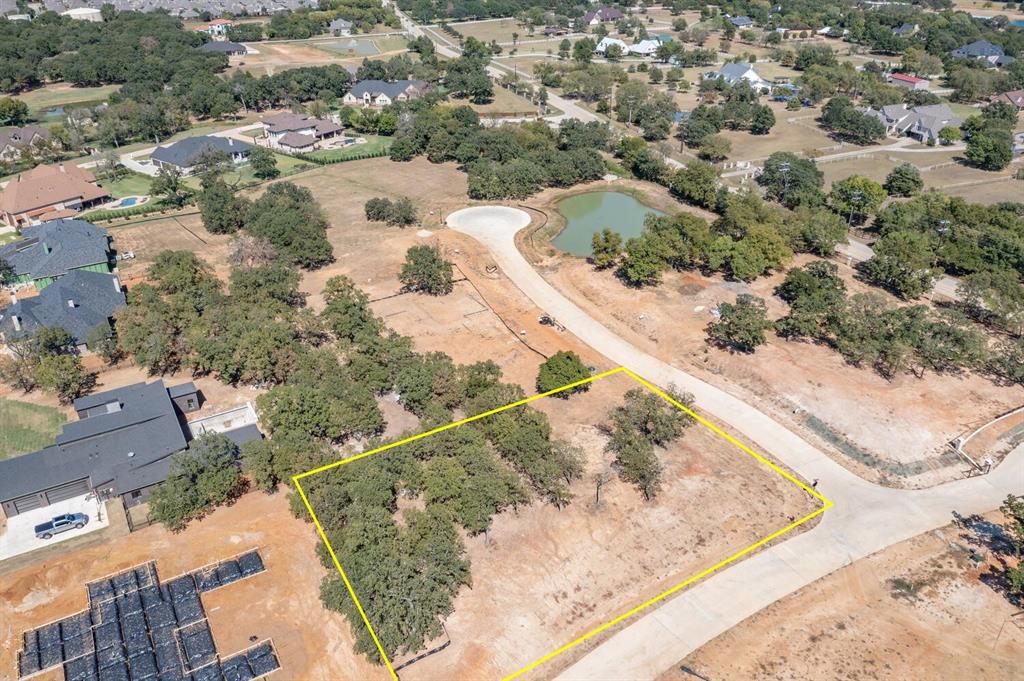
(900, 437)
(546, 576)
(281, 604)
(853, 624)
(183, 232)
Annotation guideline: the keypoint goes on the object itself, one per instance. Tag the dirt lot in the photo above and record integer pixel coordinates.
(147, 239)
(899, 437)
(281, 604)
(548, 576)
(852, 625)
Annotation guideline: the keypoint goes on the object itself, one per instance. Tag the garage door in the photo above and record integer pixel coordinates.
(72, 489)
(27, 503)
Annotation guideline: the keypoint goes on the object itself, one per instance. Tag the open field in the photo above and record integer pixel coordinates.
(184, 232)
(883, 430)
(62, 94)
(277, 56)
(281, 604)
(854, 624)
(610, 556)
(505, 102)
(26, 427)
(794, 131)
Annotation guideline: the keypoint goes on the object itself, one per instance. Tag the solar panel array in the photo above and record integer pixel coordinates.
(137, 629)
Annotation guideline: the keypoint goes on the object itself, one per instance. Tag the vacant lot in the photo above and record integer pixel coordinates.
(281, 604)
(26, 427)
(63, 94)
(505, 102)
(270, 58)
(894, 431)
(938, 622)
(543, 577)
(183, 232)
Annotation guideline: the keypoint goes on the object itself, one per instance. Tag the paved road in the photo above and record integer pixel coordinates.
(866, 517)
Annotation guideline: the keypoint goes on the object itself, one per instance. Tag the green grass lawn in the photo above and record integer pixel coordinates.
(132, 184)
(244, 177)
(372, 146)
(26, 427)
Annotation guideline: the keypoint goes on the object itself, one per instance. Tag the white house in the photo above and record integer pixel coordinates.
(735, 72)
(217, 29)
(341, 27)
(382, 93)
(645, 48)
(84, 14)
(607, 42)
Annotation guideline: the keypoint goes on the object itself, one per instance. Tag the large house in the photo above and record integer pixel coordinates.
(47, 191)
(92, 14)
(382, 93)
(645, 48)
(15, 141)
(184, 154)
(740, 71)
(1013, 97)
(225, 47)
(52, 249)
(78, 302)
(905, 30)
(340, 27)
(294, 133)
(983, 50)
(120, 446)
(741, 22)
(218, 28)
(921, 122)
(607, 42)
(599, 16)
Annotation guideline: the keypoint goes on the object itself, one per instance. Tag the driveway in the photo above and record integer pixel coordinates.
(19, 536)
(866, 517)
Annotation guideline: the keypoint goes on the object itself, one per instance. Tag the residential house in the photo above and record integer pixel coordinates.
(78, 302)
(983, 50)
(216, 29)
(51, 250)
(600, 16)
(905, 30)
(15, 141)
(905, 80)
(738, 71)
(121, 446)
(921, 122)
(607, 42)
(341, 27)
(294, 133)
(39, 194)
(1013, 97)
(84, 14)
(184, 154)
(741, 22)
(382, 93)
(225, 47)
(645, 48)
(555, 31)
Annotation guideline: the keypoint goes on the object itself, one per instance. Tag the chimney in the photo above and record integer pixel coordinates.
(71, 302)
(117, 284)
(14, 298)
(16, 321)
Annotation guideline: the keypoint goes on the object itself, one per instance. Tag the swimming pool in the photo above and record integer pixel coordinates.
(130, 201)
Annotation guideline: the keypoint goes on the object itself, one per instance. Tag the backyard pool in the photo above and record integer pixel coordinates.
(589, 213)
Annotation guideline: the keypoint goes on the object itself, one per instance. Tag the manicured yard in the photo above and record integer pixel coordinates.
(244, 177)
(26, 427)
(373, 145)
(131, 184)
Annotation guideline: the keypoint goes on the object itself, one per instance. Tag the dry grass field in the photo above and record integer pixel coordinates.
(858, 624)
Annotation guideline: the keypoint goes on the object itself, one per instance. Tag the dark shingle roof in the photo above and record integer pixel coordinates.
(95, 297)
(53, 248)
(979, 48)
(186, 152)
(224, 46)
(125, 446)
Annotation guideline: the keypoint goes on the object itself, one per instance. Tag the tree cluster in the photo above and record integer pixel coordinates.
(400, 212)
(47, 360)
(202, 477)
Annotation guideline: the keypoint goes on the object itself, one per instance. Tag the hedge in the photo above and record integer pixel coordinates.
(144, 209)
(332, 161)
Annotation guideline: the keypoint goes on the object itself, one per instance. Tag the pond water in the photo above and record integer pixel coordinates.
(587, 214)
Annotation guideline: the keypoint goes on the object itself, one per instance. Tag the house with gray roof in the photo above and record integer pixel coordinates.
(78, 302)
(293, 133)
(383, 93)
(341, 27)
(225, 47)
(741, 22)
(184, 154)
(120, 446)
(740, 71)
(983, 50)
(52, 249)
(921, 122)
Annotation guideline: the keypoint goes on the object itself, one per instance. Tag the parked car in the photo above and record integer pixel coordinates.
(61, 523)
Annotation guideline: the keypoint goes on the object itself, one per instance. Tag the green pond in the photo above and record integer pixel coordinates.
(587, 214)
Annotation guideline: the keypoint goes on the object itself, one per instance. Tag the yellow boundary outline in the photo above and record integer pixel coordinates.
(827, 504)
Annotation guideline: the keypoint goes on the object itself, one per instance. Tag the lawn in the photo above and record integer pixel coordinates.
(243, 176)
(373, 145)
(26, 427)
(130, 184)
(62, 94)
(505, 102)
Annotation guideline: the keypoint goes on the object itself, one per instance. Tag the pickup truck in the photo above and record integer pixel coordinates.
(61, 523)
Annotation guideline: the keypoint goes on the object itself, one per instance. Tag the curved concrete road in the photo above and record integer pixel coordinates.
(866, 517)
